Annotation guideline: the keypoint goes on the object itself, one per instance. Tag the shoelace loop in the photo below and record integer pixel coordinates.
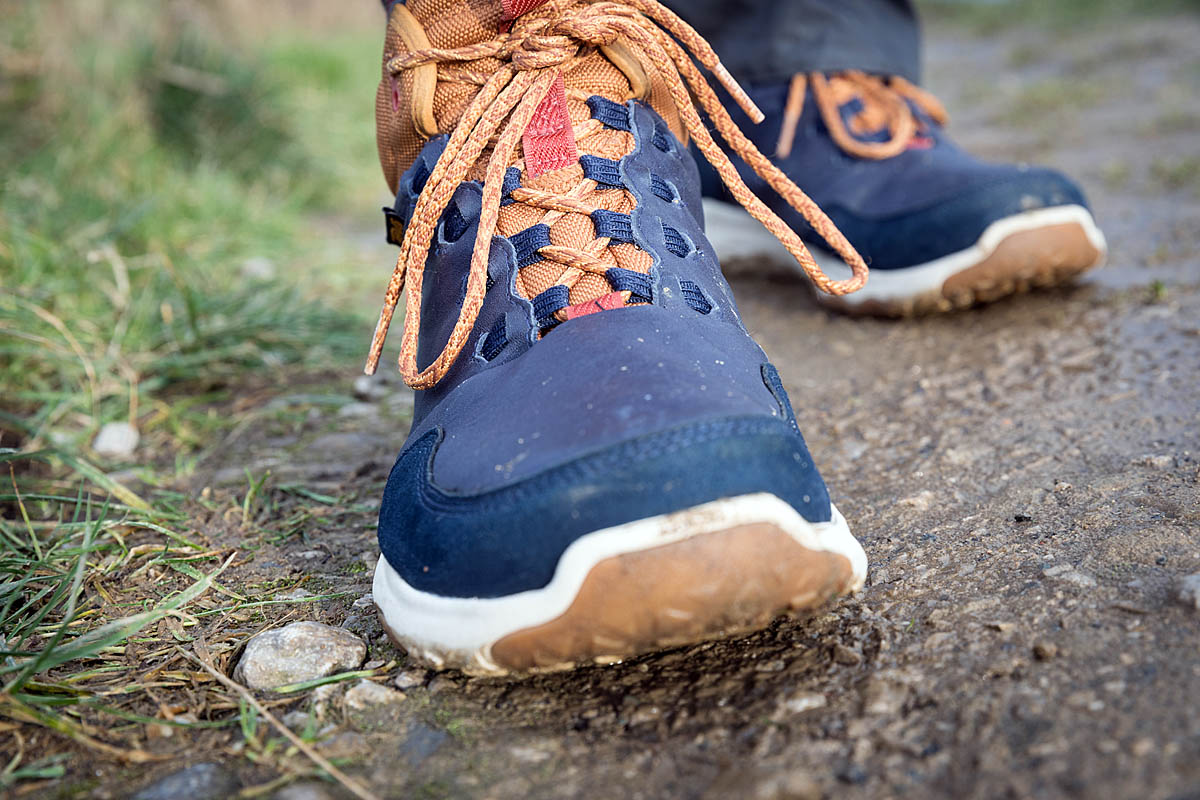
(885, 105)
(535, 51)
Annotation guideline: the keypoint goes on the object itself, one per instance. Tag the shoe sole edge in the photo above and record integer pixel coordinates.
(1041, 248)
(719, 568)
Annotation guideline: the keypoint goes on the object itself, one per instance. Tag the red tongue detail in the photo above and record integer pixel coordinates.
(515, 8)
(606, 303)
(549, 141)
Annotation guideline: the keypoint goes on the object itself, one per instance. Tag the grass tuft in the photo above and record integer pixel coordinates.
(164, 190)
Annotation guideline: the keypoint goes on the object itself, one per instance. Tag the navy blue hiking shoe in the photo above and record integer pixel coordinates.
(939, 228)
(602, 462)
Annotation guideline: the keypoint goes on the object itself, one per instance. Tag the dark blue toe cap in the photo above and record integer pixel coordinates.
(954, 222)
(510, 539)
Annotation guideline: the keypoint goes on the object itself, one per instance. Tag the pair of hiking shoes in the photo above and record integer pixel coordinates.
(602, 461)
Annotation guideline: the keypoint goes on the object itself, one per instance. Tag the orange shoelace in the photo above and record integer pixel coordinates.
(885, 105)
(535, 51)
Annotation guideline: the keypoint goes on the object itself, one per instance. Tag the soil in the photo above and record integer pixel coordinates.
(1024, 478)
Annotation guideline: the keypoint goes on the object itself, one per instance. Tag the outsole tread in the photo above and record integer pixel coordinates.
(711, 586)
(1041, 258)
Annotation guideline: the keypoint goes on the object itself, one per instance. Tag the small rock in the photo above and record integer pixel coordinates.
(298, 652)
(1004, 668)
(370, 388)
(643, 714)
(410, 679)
(921, 501)
(303, 791)
(258, 268)
(419, 742)
(1142, 747)
(371, 705)
(884, 697)
(366, 694)
(757, 783)
(1044, 650)
(198, 782)
(1065, 572)
(530, 754)
(846, 655)
(116, 440)
(1156, 461)
(1188, 591)
(774, 665)
(805, 701)
(442, 683)
(299, 721)
(366, 601)
(1080, 579)
(370, 558)
(357, 410)
(786, 786)
(853, 774)
(346, 744)
(293, 595)
(325, 700)
(936, 641)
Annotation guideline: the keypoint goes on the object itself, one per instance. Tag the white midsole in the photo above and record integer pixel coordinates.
(736, 236)
(461, 630)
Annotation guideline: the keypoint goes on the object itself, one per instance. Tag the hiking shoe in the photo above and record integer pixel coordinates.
(602, 462)
(940, 229)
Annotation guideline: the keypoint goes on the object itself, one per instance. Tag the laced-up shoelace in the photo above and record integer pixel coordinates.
(538, 48)
(885, 104)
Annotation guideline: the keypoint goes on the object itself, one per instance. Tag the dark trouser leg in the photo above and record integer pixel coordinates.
(768, 41)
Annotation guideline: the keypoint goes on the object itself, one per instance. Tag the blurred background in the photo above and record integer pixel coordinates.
(192, 259)
(190, 189)
(183, 186)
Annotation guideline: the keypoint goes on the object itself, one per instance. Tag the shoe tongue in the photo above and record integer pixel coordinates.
(449, 24)
(401, 101)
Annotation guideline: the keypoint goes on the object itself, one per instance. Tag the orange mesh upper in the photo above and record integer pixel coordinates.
(454, 23)
(449, 67)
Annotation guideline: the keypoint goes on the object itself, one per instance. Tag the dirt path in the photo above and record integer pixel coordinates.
(1024, 479)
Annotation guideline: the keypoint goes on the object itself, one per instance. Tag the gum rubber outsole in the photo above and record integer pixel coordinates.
(1036, 249)
(712, 586)
(727, 576)
(1042, 258)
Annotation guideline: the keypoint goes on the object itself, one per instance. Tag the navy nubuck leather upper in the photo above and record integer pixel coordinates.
(535, 439)
(898, 212)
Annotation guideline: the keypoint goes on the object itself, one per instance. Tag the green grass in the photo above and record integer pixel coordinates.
(137, 187)
(1061, 15)
(62, 654)
(155, 169)
(1177, 173)
(1046, 101)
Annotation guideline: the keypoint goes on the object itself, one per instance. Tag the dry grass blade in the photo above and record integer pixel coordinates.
(14, 709)
(318, 759)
